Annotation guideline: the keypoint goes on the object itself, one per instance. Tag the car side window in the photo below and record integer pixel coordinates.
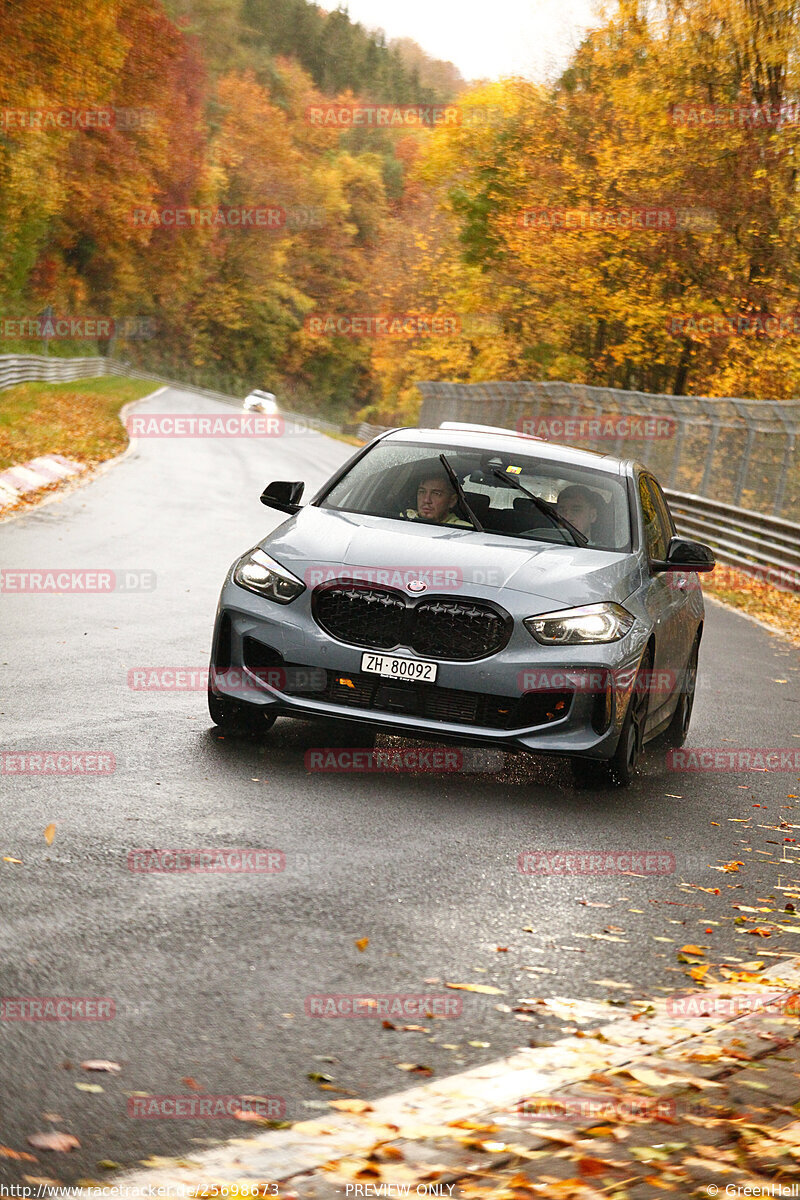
(657, 524)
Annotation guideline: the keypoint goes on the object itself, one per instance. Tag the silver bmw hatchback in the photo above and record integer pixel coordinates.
(468, 584)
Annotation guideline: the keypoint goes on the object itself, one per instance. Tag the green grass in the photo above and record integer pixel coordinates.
(79, 420)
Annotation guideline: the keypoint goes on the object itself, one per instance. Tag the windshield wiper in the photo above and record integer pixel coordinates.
(460, 493)
(578, 538)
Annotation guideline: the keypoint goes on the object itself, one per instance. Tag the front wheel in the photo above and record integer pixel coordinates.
(619, 770)
(236, 717)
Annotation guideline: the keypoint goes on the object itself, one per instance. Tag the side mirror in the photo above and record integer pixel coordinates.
(686, 555)
(283, 495)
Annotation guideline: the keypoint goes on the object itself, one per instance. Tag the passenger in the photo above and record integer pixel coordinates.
(578, 505)
(436, 499)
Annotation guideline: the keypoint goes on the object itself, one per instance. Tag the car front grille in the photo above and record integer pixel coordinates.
(380, 619)
(364, 616)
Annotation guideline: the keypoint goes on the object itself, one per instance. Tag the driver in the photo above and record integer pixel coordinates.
(578, 505)
(436, 499)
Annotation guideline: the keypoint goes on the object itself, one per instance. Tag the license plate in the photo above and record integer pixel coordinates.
(399, 668)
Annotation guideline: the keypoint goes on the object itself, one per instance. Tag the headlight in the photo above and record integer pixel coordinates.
(263, 575)
(579, 626)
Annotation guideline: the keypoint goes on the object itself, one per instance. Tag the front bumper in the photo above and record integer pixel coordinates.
(276, 657)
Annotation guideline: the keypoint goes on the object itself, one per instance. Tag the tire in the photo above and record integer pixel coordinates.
(620, 769)
(677, 731)
(238, 718)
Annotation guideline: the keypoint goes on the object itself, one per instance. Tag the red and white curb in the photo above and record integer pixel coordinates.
(17, 482)
(651, 1039)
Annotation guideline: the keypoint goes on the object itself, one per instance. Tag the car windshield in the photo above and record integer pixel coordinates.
(407, 481)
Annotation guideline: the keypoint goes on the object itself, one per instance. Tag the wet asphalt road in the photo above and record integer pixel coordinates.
(208, 973)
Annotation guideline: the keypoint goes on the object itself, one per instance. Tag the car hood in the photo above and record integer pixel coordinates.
(317, 541)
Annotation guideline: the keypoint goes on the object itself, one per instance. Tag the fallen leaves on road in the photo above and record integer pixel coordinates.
(8, 858)
(60, 1143)
(484, 988)
(760, 931)
(192, 1083)
(247, 1114)
(351, 1106)
(361, 944)
(414, 1068)
(100, 1064)
(50, 833)
(89, 1087)
(7, 1152)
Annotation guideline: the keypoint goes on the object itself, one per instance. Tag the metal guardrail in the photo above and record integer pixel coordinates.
(28, 368)
(767, 547)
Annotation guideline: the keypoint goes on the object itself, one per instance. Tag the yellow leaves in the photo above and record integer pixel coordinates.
(60, 1143)
(484, 988)
(357, 1107)
(50, 833)
(7, 1152)
(361, 944)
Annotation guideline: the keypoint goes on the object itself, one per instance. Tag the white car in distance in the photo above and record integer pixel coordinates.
(262, 402)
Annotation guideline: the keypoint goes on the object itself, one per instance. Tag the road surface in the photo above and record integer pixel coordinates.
(209, 973)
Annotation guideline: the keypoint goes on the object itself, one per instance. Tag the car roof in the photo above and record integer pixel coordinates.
(508, 442)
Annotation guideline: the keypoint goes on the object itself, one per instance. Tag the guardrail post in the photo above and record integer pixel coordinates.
(780, 490)
(712, 445)
(742, 477)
